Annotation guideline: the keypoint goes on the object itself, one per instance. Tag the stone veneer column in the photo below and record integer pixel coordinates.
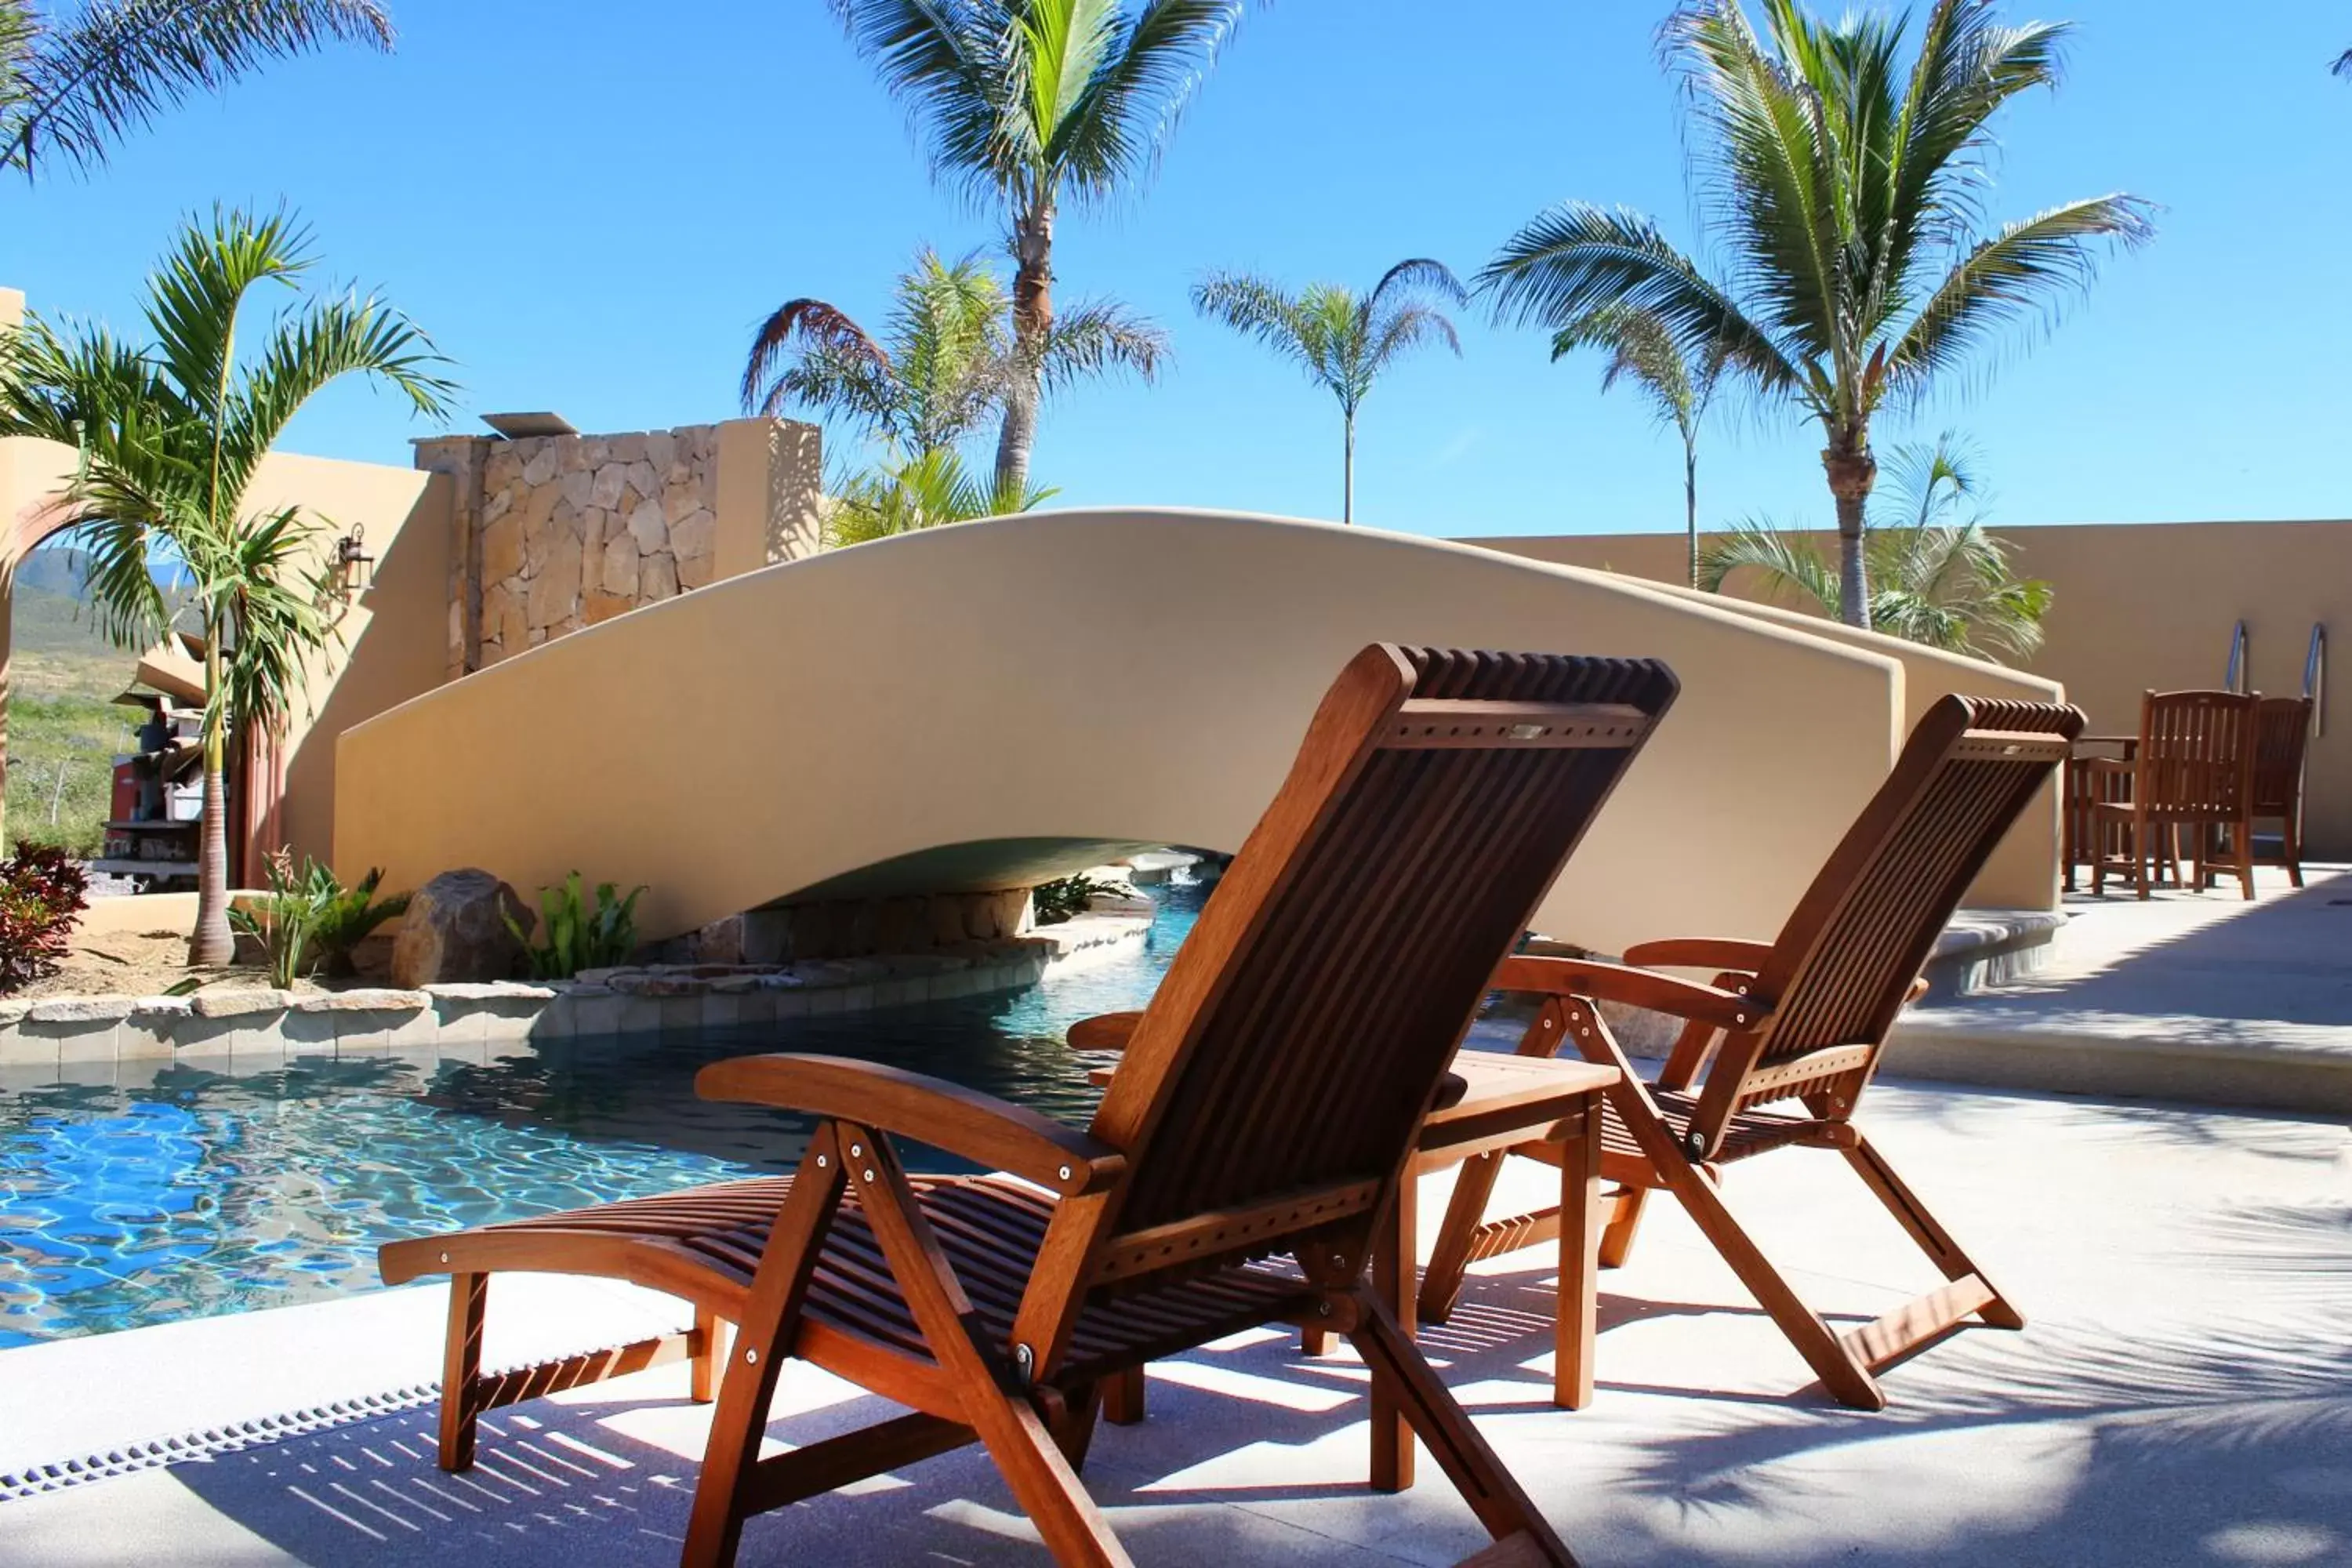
(554, 534)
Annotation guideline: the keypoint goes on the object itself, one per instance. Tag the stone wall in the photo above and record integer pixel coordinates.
(558, 532)
(577, 530)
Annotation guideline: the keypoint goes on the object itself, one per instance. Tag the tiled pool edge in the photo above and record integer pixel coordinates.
(267, 1025)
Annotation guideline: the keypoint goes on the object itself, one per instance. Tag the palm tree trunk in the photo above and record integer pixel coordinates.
(1347, 476)
(212, 942)
(1032, 318)
(1690, 506)
(1851, 473)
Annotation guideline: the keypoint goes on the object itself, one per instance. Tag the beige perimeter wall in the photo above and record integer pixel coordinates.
(973, 695)
(2141, 607)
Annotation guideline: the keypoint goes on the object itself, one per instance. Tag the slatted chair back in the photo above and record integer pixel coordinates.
(2281, 735)
(1274, 1084)
(1846, 959)
(2196, 759)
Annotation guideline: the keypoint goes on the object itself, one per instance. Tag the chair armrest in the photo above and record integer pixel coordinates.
(964, 1122)
(1701, 953)
(1104, 1032)
(1635, 987)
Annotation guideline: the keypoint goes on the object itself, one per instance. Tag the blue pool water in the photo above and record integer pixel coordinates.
(185, 1192)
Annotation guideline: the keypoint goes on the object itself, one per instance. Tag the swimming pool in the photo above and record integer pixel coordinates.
(189, 1192)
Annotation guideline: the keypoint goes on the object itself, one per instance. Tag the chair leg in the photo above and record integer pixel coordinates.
(461, 1370)
(702, 1375)
(1501, 1505)
(1042, 1478)
(1440, 1286)
(1933, 1239)
(1625, 1219)
(1122, 1397)
(1841, 1372)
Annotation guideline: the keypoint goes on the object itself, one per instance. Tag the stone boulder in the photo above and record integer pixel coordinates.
(453, 932)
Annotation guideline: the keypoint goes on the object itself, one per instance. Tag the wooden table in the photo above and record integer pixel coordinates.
(2081, 846)
(1512, 1099)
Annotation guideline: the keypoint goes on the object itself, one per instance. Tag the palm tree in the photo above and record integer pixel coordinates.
(70, 87)
(1935, 578)
(1643, 350)
(1843, 186)
(1341, 340)
(945, 361)
(172, 437)
(1027, 102)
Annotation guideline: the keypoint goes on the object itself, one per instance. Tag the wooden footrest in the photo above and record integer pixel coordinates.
(1916, 1322)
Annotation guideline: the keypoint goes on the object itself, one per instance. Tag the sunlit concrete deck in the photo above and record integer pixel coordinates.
(2200, 997)
(2183, 1394)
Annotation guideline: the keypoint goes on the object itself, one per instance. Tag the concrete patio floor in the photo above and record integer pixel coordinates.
(2183, 1393)
(2199, 997)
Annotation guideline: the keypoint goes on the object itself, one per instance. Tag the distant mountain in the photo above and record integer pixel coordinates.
(59, 568)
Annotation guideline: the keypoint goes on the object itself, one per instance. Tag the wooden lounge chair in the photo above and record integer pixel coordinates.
(1804, 1019)
(1271, 1095)
(2282, 736)
(2193, 769)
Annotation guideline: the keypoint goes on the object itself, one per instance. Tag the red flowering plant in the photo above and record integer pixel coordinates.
(42, 890)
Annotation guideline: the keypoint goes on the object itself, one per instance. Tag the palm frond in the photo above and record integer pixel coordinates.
(930, 489)
(1578, 259)
(78, 87)
(1259, 308)
(1117, 128)
(802, 326)
(324, 342)
(946, 61)
(2029, 269)
(1099, 338)
(1790, 565)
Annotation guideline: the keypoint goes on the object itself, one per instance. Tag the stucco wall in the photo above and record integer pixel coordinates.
(1086, 676)
(390, 648)
(2140, 606)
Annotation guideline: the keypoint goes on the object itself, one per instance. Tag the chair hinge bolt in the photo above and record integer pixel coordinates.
(869, 1175)
(750, 1356)
(822, 1162)
(1065, 1173)
(1024, 1362)
(856, 1153)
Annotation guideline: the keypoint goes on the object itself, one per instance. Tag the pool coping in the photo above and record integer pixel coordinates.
(258, 1024)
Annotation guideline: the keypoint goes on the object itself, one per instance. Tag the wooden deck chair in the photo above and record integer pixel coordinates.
(2193, 769)
(1270, 1097)
(1800, 1019)
(2282, 737)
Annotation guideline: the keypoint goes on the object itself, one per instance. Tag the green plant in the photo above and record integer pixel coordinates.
(284, 920)
(1342, 340)
(1845, 188)
(920, 492)
(172, 437)
(1053, 902)
(1027, 102)
(71, 86)
(1935, 577)
(578, 937)
(348, 915)
(42, 891)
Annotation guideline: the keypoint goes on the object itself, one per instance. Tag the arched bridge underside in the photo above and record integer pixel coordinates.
(980, 705)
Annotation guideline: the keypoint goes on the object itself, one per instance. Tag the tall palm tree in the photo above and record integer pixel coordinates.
(1343, 341)
(1027, 102)
(72, 85)
(1843, 186)
(172, 437)
(945, 361)
(1643, 350)
(1936, 577)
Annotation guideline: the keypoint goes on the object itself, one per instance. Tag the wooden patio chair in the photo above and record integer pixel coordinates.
(1272, 1094)
(1804, 1019)
(2282, 736)
(2194, 770)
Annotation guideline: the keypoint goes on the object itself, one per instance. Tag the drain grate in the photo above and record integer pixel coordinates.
(213, 1442)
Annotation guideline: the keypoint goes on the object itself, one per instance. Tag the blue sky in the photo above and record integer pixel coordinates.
(591, 204)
